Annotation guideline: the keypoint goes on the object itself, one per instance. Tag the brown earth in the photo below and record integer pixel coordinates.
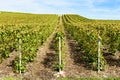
(42, 68)
(5, 66)
(76, 66)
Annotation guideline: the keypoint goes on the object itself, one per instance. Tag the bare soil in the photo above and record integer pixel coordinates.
(43, 66)
(5, 66)
(77, 66)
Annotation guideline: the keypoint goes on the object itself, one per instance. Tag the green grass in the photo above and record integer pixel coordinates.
(10, 78)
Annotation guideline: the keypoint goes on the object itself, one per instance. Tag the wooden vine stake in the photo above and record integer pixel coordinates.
(99, 53)
(20, 42)
(60, 60)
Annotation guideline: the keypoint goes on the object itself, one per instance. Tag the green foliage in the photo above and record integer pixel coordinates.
(57, 66)
(32, 29)
(86, 31)
(59, 34)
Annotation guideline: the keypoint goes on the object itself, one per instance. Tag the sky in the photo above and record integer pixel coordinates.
(95, 9)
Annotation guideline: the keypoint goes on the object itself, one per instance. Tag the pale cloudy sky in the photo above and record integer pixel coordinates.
(101, 9)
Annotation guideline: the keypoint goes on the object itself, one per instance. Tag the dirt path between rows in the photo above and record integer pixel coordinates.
(77, 67)
(42, 67)
(75, 64)
(5, 67)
